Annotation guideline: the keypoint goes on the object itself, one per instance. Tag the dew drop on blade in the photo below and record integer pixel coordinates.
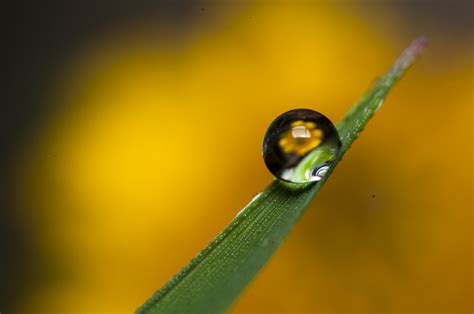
(300, 146)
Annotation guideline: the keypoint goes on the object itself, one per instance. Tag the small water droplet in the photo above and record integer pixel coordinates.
(300, 146)
(380, 102)
(251, 202)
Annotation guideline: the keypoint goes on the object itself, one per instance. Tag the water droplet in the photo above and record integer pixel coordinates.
(300, 146)
(251, 202)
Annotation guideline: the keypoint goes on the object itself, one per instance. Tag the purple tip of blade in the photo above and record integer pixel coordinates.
(410, 54)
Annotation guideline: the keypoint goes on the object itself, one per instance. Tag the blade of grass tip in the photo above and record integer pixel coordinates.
(218, 274)
(372, 100)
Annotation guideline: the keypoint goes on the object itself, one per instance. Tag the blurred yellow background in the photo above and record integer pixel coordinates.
(154, 144)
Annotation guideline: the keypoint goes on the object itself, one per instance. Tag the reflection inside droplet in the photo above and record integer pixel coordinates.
(300, 146)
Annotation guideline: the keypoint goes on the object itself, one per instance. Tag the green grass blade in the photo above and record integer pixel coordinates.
(219, 273)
